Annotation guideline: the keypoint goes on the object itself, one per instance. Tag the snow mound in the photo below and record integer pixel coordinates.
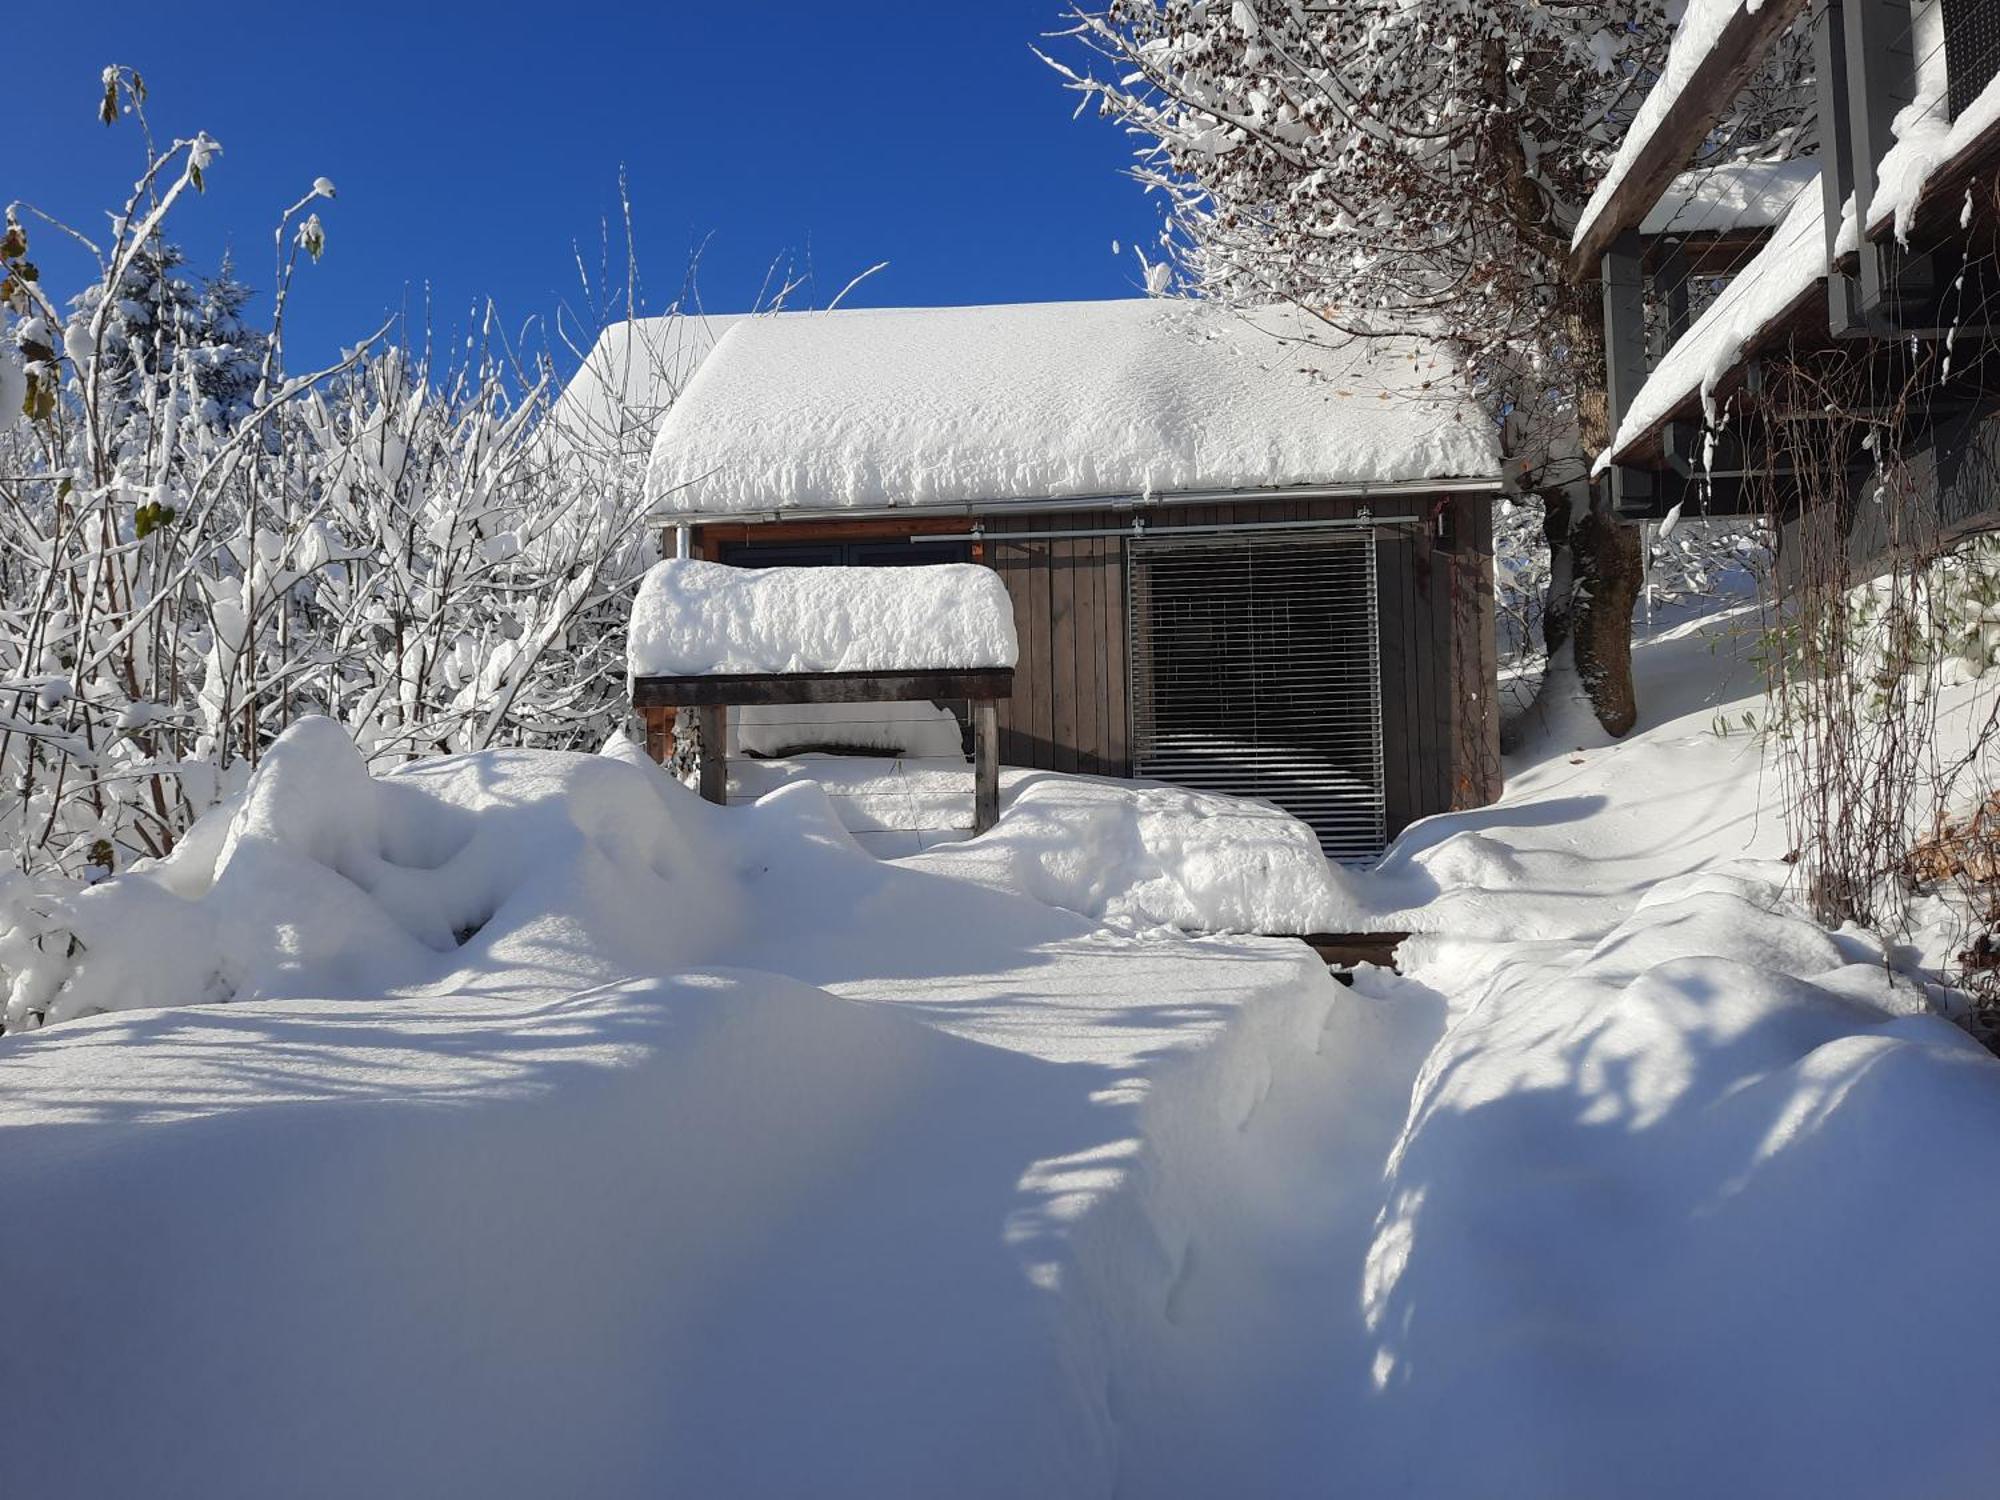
(326, 882)
(1155, 856)
(694, 617)
(951, 406)
(1679, 1186)
(565, 1133)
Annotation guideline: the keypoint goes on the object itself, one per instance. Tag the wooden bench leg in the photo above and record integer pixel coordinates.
(985, 766)
(714, 727)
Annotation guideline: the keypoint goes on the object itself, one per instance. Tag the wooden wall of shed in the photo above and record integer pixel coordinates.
(1071, 708)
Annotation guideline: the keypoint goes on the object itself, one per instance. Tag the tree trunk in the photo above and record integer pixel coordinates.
(1596, 562)
(1596, 566)
(1597, 570)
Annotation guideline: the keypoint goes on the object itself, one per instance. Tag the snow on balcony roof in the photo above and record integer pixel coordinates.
(1763, 295)
(1735, 196)
(957, 406)
(1928, 147)
(1716, 46)
(696, 618)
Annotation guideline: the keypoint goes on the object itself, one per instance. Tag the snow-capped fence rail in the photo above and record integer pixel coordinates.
(711, 637)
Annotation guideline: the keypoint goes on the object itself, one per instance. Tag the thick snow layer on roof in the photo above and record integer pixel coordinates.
(1701, 26)
(1736, 195)
(695, 617)
(945, 406)
(632, 375)
(1788, 266)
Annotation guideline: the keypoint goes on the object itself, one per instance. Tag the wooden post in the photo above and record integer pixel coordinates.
(713, 720)
(985, 765)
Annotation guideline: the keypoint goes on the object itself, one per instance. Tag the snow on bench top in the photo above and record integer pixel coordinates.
(953, 406)
(694, 618)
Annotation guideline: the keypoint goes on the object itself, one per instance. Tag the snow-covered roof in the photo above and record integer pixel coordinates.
(631, 376)
(957, 406)
(693, 618)
(1733, 196)
(1787, 268)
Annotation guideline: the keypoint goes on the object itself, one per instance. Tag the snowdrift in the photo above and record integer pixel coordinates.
(568, 1135)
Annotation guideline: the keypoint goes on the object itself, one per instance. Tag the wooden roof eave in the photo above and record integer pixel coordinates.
(1805, 313)
(1718, 78)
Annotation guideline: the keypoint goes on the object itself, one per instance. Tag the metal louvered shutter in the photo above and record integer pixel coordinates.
(1256, 671)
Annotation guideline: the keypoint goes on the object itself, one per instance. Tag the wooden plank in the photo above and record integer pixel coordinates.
(1062, 654)
(1011, 564)
(714, 722)
(1392, 591)
(821, 687)
(1036, 648)
(1115, 581)
(985, 767)
(1344, 950)
(1707, 95)
(1437, 732)
(719, 534)
(1090, 632)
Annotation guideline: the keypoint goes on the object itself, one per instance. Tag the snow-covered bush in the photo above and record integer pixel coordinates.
(206, 547)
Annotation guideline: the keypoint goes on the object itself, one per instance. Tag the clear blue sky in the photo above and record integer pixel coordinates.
(474, 145)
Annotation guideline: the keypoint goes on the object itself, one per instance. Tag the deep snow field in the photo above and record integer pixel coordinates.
(567, 1135)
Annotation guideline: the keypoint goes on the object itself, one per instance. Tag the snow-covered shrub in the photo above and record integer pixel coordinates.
(206, 547)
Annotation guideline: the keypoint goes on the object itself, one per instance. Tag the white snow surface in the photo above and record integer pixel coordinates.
(1732, 196)
(692, 617)
(1700, 27)
(568, 1135)
(1141, 856)
(956, 406)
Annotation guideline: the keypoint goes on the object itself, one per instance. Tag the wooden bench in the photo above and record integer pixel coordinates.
(713, 695)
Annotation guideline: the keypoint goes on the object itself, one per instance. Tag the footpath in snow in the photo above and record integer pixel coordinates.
(567, 1135)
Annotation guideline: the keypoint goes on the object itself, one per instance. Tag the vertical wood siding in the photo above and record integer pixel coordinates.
(1071, 708)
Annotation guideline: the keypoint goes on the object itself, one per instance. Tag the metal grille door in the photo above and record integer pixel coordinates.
(1256, 672)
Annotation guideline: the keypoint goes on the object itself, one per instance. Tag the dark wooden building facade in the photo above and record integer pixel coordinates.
(1334, 654)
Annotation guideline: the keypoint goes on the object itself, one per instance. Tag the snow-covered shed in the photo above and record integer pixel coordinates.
(1243, 553)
